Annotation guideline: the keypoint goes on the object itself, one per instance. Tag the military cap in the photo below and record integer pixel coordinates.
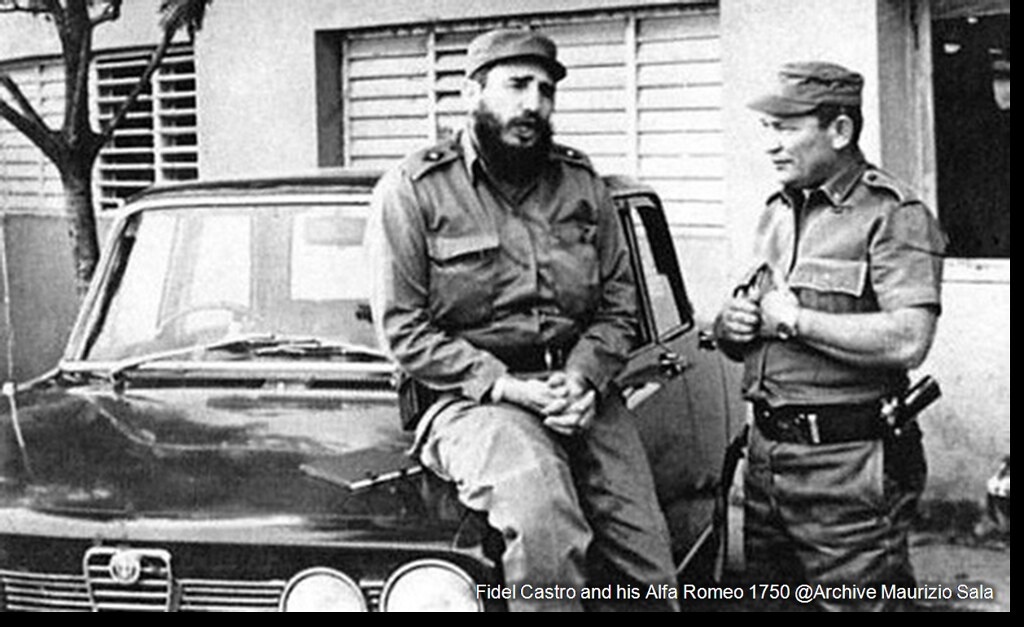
(506, 44)
(805, 86)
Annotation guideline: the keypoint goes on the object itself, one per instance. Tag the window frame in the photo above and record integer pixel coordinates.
(646, 207)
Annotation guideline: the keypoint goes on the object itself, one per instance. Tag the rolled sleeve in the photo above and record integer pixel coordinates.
(604, 345)
(906, 259)
(398, 257)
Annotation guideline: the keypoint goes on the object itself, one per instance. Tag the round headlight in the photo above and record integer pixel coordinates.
(430, 586)
(322, 590)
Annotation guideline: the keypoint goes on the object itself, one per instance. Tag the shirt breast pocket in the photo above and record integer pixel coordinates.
(832, 285)
(462, 278)
(575, 267)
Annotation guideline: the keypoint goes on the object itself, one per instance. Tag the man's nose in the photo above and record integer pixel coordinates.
(531, 99)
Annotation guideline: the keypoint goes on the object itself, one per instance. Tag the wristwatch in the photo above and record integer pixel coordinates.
(789, 329)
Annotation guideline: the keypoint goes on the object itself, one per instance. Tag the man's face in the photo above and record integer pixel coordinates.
(519, 98)
(804, 154)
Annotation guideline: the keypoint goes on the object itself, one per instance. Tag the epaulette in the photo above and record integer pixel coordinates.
(776, 195)
(571, 155)
(876, 178)
(423, 161)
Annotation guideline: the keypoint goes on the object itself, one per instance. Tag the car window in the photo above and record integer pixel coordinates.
(663, 305)
(325, 249)
(220, 260)
(187, 276)
(664, 308)
(129, 324)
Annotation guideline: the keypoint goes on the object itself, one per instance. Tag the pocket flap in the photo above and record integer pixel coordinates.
(446, 248)
(830, 275)
(575, 232)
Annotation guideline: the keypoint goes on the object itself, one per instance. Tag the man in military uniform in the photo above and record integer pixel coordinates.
(843, 300)
(496, 254)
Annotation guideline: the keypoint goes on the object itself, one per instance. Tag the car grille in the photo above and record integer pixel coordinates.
(33, 592)
(37, 592)
(230, 596)
(149, 588)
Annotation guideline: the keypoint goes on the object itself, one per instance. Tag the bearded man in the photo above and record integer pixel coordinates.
(503, 284)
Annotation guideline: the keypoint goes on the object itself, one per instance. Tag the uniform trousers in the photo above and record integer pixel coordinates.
(567, 507)
(832, 515)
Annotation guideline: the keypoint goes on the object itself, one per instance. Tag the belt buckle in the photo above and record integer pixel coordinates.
(549, 358)
(812, 427)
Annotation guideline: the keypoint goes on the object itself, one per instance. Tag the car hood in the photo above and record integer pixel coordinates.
(211, 454)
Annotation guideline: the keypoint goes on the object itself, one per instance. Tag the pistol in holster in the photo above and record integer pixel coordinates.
(904, 452)
(901, 412)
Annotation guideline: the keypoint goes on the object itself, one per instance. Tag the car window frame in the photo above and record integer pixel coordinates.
(647, 206)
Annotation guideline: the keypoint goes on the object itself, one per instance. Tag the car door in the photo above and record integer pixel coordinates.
(675, 383)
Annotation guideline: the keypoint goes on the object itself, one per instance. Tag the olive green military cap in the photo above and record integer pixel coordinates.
(507, 44)
(806, 85)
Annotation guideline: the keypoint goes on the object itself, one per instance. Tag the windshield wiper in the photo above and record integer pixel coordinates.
(237, 343)
(315, 347)
(259, 345)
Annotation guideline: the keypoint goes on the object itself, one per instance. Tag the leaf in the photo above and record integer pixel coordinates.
(188, 14)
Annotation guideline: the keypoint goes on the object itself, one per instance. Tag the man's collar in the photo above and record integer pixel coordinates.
(469, 152)
(836, 188)
(840, 184)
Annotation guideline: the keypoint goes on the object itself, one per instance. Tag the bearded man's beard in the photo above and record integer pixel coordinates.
(514, 164)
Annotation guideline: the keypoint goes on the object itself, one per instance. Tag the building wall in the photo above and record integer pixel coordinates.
(23, 35)
(38, 291)
(248, 58)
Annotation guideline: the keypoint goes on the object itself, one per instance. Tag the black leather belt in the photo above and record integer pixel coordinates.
(820, 424)
(532, 358)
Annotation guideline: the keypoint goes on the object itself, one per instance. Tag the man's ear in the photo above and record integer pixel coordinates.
(841, 131)
(471, 93)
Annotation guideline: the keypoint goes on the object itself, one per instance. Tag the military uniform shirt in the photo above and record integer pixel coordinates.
(465, 270)
(862, 243)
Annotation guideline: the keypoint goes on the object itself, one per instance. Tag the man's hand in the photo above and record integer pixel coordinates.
(740, 320)
(779, 310)
(581, 408)
(533, 394)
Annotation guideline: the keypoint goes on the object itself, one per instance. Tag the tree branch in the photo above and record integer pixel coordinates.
(14, 7)
(154, 62)
(23, 103)
(53, 8)
(78, 112)
(111, 12)
(47, 7)
(41, 136)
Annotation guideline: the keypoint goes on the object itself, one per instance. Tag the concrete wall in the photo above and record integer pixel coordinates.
(38, 290)
(24, 36)
(969, 428)
(265, 71)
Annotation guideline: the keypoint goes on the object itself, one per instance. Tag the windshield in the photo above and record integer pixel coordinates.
(187, 277)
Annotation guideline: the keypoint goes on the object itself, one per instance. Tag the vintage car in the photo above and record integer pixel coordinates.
(223, 431)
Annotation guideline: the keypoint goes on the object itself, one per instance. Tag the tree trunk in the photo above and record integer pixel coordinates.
(81, 219)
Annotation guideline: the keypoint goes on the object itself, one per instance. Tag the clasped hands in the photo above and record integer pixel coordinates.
(750, 314)
(565, 400)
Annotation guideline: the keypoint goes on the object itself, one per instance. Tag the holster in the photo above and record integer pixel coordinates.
(414, 399)
(904, 457)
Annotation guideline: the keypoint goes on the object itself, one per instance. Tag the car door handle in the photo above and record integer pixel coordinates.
(635, 395)
(672, 364)
(706, 340)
